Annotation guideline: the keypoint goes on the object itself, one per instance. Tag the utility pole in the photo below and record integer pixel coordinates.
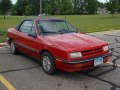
(40, 7)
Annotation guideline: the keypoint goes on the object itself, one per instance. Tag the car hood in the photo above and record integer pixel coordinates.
(74, 41)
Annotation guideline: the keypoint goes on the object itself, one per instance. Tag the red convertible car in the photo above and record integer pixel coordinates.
(58, 45)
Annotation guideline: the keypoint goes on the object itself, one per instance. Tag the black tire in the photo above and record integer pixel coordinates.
(52, 68)
(13, 48)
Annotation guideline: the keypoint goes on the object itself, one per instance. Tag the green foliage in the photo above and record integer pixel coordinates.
(85, 6)
(28, 10)
(113, 6)
(101, 5)
(35, 6)
(63, 7)
(13, 10)
(4, 6)
(91, 6)
(79, 6)
(118, 6)
(20, 7)
(58, 7)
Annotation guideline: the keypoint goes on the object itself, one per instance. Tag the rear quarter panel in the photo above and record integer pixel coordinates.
(11, 34)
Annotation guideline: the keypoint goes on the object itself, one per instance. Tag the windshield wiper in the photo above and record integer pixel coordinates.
(73, 31)
(48, 32)
(65, 31)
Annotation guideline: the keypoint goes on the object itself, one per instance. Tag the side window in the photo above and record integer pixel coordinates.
(27, 27)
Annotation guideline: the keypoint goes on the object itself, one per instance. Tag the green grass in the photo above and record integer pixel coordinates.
(9, 22)
(84, 23)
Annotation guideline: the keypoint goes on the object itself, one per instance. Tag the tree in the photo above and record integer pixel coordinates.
(101, 5)
(28, 10)
(35, 5)
(66, 7)
(46, 7)
(112, 6)
(5, 6)
(57, 7)
(91, 6)
(20, 7)
(118, 6)
(79, 6)
(85, 6)
(13, 10)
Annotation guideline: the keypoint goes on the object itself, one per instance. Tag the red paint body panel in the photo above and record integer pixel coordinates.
(59, 46)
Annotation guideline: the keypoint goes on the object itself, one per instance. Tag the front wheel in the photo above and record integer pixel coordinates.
(48, 64)
(13, 48)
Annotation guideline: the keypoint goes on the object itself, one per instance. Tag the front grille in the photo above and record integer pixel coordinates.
(92, 52)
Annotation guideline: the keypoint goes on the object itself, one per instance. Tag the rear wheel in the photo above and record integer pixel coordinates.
(48, 64)
(13, 48)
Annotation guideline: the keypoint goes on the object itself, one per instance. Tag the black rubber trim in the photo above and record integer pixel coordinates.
(86, 60)
(29, 48)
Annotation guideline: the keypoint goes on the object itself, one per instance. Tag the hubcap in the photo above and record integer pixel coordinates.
(46, 63)
(12, 47)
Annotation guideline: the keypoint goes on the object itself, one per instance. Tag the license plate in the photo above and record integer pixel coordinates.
(98, 61)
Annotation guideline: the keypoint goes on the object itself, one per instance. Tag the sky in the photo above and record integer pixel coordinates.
(14, 1)
(102, 1)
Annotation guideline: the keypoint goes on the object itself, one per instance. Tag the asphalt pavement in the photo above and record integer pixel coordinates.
(19, 72)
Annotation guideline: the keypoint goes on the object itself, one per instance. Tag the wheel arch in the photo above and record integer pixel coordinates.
(10, 39)
(45, 50)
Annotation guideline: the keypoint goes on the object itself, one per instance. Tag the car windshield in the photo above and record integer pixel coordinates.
(54, 27)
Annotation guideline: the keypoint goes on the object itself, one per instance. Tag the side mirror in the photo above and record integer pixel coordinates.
(77, 30)
(32, 35)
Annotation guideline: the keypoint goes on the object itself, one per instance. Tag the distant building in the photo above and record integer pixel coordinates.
(103, 11)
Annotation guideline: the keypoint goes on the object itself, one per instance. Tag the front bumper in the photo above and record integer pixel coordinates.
(71, 66)
(86, 60)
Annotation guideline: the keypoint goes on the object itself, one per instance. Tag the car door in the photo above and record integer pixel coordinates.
(27, 39)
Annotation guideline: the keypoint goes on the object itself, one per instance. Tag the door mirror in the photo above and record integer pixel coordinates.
(77, 30)
(32, 35)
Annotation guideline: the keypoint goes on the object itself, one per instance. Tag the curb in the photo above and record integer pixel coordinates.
(3, 44)
(105, 32)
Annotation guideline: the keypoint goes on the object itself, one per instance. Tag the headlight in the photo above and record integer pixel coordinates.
(75, 55)
(105, 48)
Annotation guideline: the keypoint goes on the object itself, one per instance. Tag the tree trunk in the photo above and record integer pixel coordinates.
(22, 13)
(112, 15)
(4, 16)
(65, 16)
